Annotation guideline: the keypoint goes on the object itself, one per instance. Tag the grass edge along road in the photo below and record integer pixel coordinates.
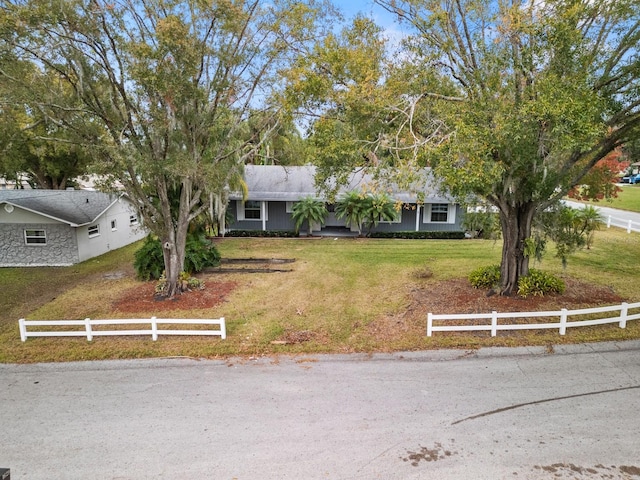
(336, 292)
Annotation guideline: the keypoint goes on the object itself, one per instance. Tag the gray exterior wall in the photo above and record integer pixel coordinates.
(279, 219)
(61, 248)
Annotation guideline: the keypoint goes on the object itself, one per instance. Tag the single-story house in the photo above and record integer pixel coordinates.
(273, 190)
(63, 227)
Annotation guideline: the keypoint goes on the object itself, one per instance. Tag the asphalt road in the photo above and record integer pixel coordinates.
(490, 414)
(619, 218)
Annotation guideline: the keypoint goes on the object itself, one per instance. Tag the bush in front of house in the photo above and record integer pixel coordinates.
(200, 253)
(538, 283)
(261, 233)
(428, 235)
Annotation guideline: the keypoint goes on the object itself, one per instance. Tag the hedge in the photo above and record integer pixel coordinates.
(428, 235)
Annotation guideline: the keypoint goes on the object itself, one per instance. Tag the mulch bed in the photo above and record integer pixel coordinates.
(142, 298)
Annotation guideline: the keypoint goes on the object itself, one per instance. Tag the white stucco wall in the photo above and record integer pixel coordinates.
(108, 238)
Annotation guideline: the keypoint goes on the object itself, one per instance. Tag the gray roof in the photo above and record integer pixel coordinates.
(280, 183)
(75, 207)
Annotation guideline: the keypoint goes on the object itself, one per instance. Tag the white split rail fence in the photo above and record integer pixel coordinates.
(89, 332)
(622, 318)
(629, 225)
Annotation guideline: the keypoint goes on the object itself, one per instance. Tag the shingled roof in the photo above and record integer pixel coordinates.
(74, 207)
(292, 183)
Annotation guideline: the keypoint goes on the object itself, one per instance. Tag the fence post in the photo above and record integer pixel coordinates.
(624, 308)
(23, 330)
(223, 328)
(429, 324)
(494, 323)
(154, 329)
(609, 221)
(563, 321)
(87, 326)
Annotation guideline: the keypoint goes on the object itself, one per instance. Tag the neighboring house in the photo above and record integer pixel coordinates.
(63, 227)
(274, 189)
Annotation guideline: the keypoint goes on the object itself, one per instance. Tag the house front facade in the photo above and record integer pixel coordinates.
(63, 227)
(274, 189)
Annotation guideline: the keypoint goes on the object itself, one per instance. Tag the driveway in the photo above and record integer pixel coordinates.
(524, 413)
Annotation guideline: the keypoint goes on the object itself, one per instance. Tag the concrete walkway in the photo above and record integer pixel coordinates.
(496, 413)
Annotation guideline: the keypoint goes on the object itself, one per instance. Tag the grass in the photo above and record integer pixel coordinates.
(340, 290)
(628, 199)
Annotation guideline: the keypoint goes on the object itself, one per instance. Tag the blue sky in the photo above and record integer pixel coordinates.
(382, 17)
(351, 7)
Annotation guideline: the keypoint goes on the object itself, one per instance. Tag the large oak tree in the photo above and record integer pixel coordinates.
(510, 101)
(171, 83)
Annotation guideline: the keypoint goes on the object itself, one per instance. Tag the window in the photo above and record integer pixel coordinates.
(35, 237)
(397, 218)
(289, 207)
(114, 225)
(252, 210)
(133, 220)
(94, 230)
(439, 213)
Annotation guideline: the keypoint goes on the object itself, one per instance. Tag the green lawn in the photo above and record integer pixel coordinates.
(628, 199)
(337, 290)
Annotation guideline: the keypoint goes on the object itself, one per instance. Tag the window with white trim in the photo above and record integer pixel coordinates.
(439, 213)
(251, 210)
(93, 230)
(289, 207)
(35, 237)
(114, 225)
(133, 220)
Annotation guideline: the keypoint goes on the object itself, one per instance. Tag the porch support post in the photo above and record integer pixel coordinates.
(263, 215)
(417, 217)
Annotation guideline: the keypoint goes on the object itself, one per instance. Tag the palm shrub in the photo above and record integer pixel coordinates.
(378, 208)
(352, 207)
(200, 253)
(570, 229)
(309, 210)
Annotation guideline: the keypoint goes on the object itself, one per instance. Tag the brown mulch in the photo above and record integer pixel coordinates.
(458, 296)
(142, 298)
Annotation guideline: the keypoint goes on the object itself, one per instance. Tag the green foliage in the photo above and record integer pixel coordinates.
(360, 209)
(149, 260)
(424, 235)
(186, 283)
(309, 210)
(485, 277)
(262, 233)
(570, 229)
(538, 283)
(200, 253)
(482, 224)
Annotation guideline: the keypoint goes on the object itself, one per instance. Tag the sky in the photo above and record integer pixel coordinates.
(382, 17)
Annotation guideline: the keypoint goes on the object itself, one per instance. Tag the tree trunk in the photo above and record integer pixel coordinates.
(516, 229)
(174, 239)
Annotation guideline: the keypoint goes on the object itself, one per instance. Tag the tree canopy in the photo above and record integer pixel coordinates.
(170, 85)
(511, 102)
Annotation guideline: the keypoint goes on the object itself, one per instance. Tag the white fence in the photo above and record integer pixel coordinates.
(629, 225)
(89, 332)
(622, 318)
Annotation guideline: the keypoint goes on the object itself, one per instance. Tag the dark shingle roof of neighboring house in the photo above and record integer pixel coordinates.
(280, 183)
(75, 207)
